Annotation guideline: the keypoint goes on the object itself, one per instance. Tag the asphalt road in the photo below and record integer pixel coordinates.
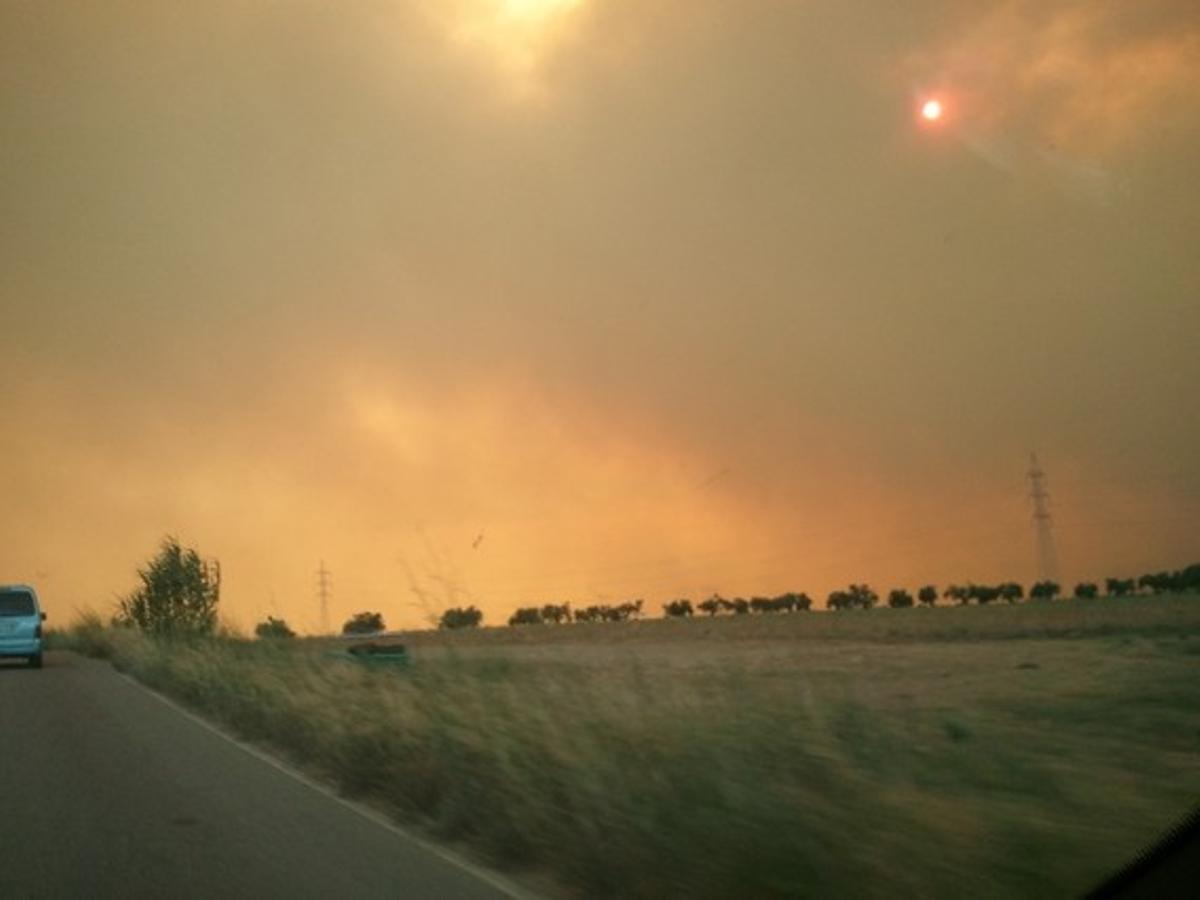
(107, 791)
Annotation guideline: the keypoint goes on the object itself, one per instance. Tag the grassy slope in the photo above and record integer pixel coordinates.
(998, 752)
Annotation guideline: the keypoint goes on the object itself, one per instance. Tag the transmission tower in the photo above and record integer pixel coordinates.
(323, 586)
(1047, 558)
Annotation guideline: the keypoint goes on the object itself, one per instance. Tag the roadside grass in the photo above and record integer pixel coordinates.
(717, 759)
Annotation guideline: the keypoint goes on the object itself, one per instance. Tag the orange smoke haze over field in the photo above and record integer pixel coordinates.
(517, 303)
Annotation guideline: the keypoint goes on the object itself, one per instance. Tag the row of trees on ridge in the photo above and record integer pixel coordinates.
(561, 613)
(179, 593)
(855, 596)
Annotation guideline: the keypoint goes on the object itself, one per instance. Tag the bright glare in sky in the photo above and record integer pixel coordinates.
(931, 111)
(525, 9)
(515, 32)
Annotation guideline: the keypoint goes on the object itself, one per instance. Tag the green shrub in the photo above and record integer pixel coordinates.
(460, 617)
(364, 623)
(273, 628)
(178, 596)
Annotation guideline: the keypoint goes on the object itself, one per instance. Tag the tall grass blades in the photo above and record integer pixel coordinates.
(693, 764)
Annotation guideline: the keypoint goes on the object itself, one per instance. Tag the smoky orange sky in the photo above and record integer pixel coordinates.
(517, 301)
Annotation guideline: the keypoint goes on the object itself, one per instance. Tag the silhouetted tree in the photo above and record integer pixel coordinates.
(558, 613)
(273, 628)
(857, 595)
(1086, 590)
(1045, 590)
(958, 594)
(791, 602)
(760, 604)
(526, 615)
(178, 596)
(630, 610)
(364, 623)
(928, 595)
(1156, 582)
(460, 617)
(1189, 578)
(900, 599)
(838, 600)
(677, 608)
(982, 593)
(1119, 587)
(1177, 582)
(622, 612)
(1011, 591)
(712, 606)
(862, 596)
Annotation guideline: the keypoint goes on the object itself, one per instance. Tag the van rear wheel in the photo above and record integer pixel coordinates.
(35, 662)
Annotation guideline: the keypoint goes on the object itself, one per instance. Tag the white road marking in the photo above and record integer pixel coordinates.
(503, 885)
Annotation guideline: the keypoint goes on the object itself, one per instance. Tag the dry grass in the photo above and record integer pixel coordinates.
(987, 752)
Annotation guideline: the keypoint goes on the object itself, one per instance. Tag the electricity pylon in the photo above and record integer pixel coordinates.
(323, 585)
(1047, 557)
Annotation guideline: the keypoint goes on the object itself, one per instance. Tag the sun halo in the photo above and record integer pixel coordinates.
(535, 9)
(514, 34)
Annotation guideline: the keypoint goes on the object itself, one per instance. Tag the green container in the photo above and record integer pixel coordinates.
(379, 654)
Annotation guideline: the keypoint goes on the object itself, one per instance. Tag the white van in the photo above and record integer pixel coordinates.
(21, 623)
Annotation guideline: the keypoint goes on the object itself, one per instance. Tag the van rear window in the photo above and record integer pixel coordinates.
(16, 603)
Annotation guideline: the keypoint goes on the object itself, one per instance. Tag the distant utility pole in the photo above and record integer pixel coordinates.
(1047, 558)
(323, 585)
